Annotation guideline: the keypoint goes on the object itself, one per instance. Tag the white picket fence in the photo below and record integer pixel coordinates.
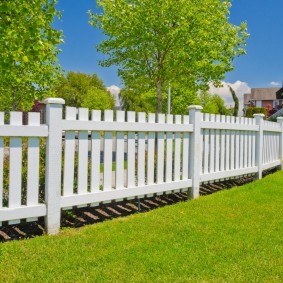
(176, 153)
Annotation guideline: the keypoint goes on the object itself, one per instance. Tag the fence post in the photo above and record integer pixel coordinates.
(195, 150)
(259, 144)
(53, 164)
(280, 121)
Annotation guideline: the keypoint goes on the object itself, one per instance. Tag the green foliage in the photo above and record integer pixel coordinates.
(181, 98)
(98, 99)
(213, 104)
(255, 110)
(74, 88)
(28, 64)
(156, 42)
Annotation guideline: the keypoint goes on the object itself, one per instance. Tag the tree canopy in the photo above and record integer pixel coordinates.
(84, 90)
(28, 48)
(188, 42)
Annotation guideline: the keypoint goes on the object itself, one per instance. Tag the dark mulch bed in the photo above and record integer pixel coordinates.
(78, 217)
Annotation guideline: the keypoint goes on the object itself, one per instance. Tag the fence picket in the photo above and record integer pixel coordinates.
(33, 164)
(222, 155)
(131, 152)
(95, 154)
(242, 145)
(237, 146)
(160, 151)
(169, 144)
(69, 155)
(227, 151)
(108, 151)
(212, 147)
(15, 174)
(246, 145)
(185, 153)
(83, 154)
(141, 152)
(177, 151)
(120, 153)
(206, 133)
(232, 145)
(249, 145)
(150, 152)
(217, 145)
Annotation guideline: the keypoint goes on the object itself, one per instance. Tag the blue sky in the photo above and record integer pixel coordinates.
(261, 67)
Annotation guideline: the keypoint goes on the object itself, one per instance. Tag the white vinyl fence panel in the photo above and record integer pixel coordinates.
(18, 202)
(94, 157)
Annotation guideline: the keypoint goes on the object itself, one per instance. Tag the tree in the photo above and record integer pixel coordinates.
(213, 104)
(156, 42)
(98, 99)
(84, 90)
(74, 87)
(236, 101)
(28, 48)
(136, 100)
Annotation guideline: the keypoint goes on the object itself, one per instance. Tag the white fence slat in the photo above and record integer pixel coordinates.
(15, 166)
(160, 151)
(217, 145)
(212, 147)
(227, 149)
(242, 145)
(250, 145)
(232, 146)
(141, 152)
(222, 151)
(33, 164)
(108, 151)
(1, 163)
(254, 145)
(69, 155)
(246, 153)
(185, 154)
(131, 152)
(206, 133)
(237, 146)
(95, 154)
(150, 152)
(120, 117)
(169, 144)
(83, 154)
(177, 151)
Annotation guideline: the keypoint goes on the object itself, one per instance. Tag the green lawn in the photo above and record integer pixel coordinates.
(231, 236)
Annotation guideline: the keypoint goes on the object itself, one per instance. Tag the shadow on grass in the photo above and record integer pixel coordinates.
(78, 217)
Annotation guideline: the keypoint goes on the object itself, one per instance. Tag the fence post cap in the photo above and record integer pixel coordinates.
(53, 100)
(259, 115)
(195, 107)
(279, 119)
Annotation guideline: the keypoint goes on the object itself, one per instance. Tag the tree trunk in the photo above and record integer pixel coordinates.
(159, 96)
(236, 101)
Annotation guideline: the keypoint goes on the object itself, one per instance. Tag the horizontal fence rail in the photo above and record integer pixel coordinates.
(92, 157)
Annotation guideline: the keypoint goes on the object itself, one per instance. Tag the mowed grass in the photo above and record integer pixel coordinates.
(231, 236)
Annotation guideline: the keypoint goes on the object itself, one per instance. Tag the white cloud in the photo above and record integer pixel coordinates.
(275, 84)
(239, 87)
(115, 90)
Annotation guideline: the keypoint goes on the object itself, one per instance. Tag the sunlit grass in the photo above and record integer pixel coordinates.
(231, 236)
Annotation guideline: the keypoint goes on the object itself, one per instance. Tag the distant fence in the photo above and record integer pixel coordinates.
(152, 156)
